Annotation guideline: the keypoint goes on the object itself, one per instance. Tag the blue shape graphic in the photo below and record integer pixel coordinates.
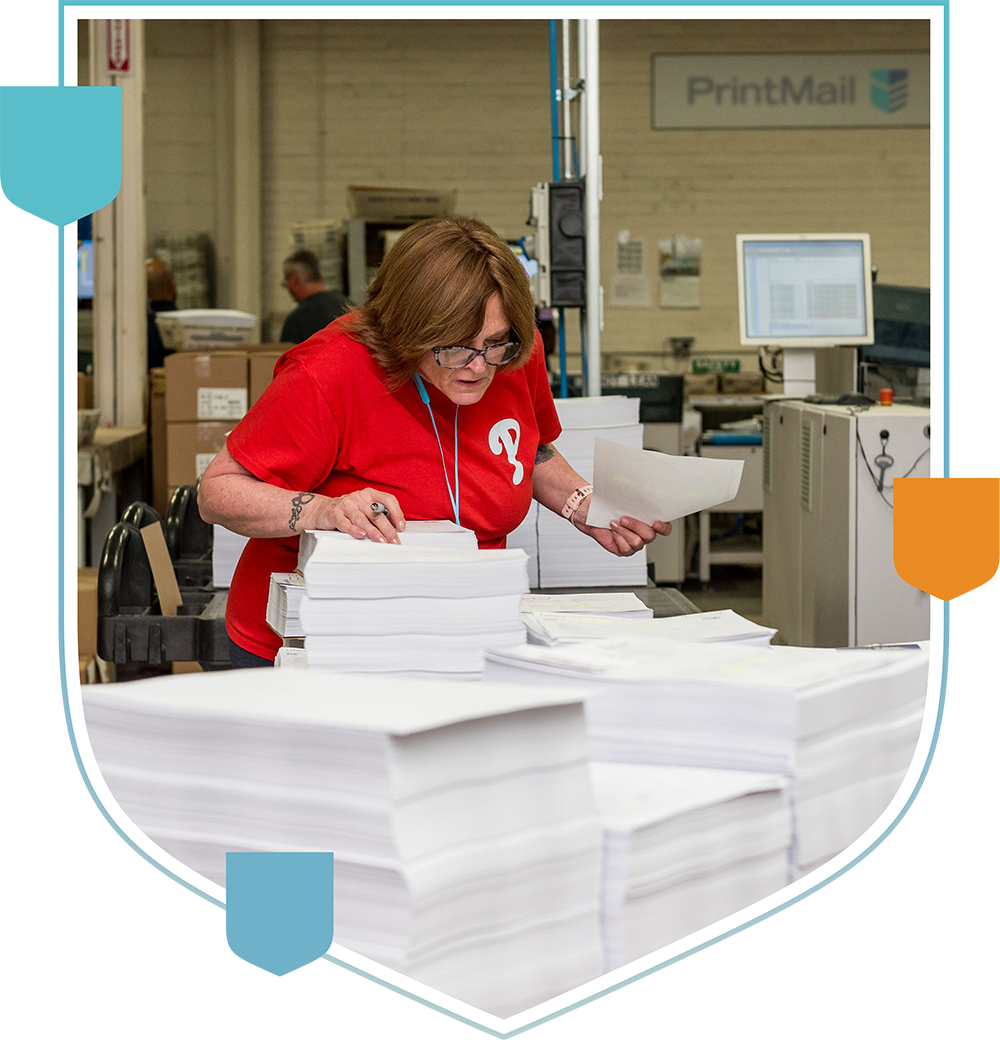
(63, 144)
(279, 907)
(890, 89)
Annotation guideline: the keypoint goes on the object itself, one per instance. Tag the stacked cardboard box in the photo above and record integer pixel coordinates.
(205, 396)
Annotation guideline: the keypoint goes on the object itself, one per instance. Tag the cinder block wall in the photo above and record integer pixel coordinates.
(465, 104)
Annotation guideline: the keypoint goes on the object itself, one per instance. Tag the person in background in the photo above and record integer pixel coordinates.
(161, 295)
(317, 306)
(431, 402)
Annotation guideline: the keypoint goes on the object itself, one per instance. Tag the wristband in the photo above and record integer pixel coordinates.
(574, 500)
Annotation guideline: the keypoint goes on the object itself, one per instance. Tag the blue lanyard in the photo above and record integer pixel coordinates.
(422, 390)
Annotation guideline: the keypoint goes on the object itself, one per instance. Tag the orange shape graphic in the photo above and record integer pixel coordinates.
(939, 542)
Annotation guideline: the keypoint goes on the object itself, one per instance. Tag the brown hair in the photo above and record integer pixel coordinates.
(432, 290)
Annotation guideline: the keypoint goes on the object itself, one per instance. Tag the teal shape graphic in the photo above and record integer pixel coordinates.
(890, 89)
(73, 163)
(51, 132)
(259, 961)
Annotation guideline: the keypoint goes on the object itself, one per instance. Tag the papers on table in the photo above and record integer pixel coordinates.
(376, 607)
(362, 569)
(552, 628)
(651, 485)
(284, 598)
(439, 534)
(610, 604)
(683, 848)
(461, 816)
(227, 547)
(841, 724)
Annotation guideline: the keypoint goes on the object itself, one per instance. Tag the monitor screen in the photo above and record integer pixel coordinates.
(902, 327)
(805, 290)
(85, 270)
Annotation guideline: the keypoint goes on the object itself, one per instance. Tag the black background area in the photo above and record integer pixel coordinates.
(890, 980)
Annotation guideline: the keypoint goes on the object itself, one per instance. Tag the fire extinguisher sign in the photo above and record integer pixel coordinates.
(118, 45)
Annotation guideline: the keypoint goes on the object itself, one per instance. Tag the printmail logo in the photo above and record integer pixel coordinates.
(890, 89)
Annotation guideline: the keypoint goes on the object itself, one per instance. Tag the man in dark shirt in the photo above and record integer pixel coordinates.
(317, 306)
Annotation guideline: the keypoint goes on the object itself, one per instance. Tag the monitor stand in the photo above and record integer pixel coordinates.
(820, 370)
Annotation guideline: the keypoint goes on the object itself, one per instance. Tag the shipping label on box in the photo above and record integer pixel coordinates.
(191, 446)
(222, 373)
(217, 402)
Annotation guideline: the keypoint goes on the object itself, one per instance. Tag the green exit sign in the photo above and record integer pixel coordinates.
(703, 365)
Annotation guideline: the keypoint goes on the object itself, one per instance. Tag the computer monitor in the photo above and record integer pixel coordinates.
(85, 270)
(805, 290)
(902, 327)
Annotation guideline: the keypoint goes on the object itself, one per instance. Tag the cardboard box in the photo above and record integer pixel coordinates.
(206, 387)
(400, 203)
(741, 383)
(191, 446)
(700, 383)
(157, 423)
(261, 372)
(84, 391)
(86, 619)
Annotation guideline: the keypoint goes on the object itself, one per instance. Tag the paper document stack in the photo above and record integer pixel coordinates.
(684, 848)
(461, 816)
(853, 747)
(551, 628)
(284, 600)
(567, 558)
(601, 604)
(227, 547)
(842, 724)
(375, 607)
(437, 534)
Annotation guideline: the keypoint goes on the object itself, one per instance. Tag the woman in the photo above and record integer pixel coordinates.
(432, 400)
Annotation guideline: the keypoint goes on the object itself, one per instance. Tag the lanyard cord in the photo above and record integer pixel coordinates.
(422, 390)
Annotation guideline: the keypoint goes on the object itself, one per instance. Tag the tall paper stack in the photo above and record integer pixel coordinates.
(376, 607)
(227, 547)
(842, 724)
(684, 848)
(567, 558)
(461, 816)
(559, 555)
(287, 590)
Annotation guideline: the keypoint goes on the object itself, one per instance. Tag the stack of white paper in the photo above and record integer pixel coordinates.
(461, 816)
(718, 626)
(567, 558)
(227, 547)
(438, 534)
(525, 536)
(684, 848)
(842, 724)
(606, 604)
(284, 599)
(376, 607)
(853, 747)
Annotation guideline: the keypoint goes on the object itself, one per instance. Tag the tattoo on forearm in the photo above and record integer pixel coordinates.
(297, 503)
(544, 453)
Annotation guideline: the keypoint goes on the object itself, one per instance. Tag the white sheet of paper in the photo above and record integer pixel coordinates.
(650, 485)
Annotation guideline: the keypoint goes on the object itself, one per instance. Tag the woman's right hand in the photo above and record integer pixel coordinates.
(353, 515)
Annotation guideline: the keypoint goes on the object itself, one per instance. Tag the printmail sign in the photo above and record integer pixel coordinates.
(738, 91)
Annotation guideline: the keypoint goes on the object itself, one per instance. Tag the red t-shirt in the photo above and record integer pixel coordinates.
(328, 424)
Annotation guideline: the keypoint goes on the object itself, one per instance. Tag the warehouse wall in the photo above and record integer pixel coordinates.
(465, 104)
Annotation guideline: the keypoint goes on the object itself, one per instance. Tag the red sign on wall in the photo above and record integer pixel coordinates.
(118, 45)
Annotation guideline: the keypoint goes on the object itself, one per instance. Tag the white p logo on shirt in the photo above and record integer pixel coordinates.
(506, 435)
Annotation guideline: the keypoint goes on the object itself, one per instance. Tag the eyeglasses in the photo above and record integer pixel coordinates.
(459, 357)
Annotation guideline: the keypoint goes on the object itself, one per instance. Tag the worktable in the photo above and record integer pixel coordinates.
(109, 469)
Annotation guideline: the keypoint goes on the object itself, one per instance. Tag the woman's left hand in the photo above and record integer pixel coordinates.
(626, 536)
